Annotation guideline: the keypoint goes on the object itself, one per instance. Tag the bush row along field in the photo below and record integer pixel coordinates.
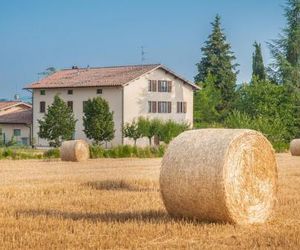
(125, 151)
(116, 204)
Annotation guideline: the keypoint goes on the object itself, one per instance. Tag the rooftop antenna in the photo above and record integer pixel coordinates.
(143, 53)
(16, 96)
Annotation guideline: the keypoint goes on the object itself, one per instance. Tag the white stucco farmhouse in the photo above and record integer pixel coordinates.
(152, 91)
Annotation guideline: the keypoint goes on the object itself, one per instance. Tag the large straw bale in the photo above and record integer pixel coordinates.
(295, 147)
(76, 150)
(220, 175)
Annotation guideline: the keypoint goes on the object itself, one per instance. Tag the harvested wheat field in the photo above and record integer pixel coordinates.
(116, 204)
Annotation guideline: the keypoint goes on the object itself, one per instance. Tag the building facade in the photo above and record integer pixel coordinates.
(151, 91)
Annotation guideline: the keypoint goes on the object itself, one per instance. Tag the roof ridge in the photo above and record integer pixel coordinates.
(117, 66)
(9, 101)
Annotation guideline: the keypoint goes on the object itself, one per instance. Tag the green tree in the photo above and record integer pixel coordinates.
(218, 59)
(58, 124)
(149, 128)
(269, 103)
(258, 68)
(286, 49)
(207, 103)
(286, 53)
(170, 129)
(273, 128)
(98, 120)
(131, 130)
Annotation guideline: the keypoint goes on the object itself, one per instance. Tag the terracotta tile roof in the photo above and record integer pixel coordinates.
(9, 104)
(92, 77)
(98, 77)
(18, 117)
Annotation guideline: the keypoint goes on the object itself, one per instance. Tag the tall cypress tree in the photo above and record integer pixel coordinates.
(218, 60)
(258, 68)
(286, 49)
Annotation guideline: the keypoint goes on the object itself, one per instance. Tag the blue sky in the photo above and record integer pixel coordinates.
(36, 34)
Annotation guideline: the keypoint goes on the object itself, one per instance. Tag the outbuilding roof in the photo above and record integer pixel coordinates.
(9, 104)
(99, 77)
(18, 117)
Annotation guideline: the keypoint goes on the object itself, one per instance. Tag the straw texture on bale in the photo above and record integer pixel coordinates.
(220, 175)
(295, 147)
(76, 150)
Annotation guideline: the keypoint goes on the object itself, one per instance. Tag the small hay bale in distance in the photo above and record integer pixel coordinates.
(75, 150)
(220, 175)
(295, 147)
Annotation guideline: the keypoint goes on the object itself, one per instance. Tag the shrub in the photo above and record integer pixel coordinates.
(273, 128)
(52, 153)
(12, 142)
(96, 151)
(19, 153)
(170, 129)
(126, 151)
(7, 153)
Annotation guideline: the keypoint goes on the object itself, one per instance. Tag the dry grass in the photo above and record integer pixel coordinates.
(116, 204)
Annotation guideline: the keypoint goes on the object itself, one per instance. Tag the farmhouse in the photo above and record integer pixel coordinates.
(152, 91)
(15, 122)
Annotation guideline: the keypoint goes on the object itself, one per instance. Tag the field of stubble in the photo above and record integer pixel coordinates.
(116, 204)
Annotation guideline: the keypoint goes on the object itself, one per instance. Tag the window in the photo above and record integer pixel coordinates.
(25, 141)
(42, 107)
(17, 132)
(84, 104)
(152, 85)
(99, 91)
(70, 91)
(70, 105)
(181, 107)
(164, 107)
(43, 92)
(164, 86)
(151, 107)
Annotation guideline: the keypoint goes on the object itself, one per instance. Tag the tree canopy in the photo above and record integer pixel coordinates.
(58, 124)
(98, 120)
(286, 49)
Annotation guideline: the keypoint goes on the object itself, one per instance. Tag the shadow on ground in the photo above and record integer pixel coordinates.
(124, 185)
(151, 216)
(143, 216)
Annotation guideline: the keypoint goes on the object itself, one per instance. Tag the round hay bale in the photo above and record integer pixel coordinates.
(295, 147)
(220, 175)
(76, 150)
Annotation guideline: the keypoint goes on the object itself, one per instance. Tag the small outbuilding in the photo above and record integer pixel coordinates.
(15, 122)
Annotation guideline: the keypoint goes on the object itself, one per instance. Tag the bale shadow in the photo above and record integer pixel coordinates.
(123, 185)
(147, 216)
(121, 217)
